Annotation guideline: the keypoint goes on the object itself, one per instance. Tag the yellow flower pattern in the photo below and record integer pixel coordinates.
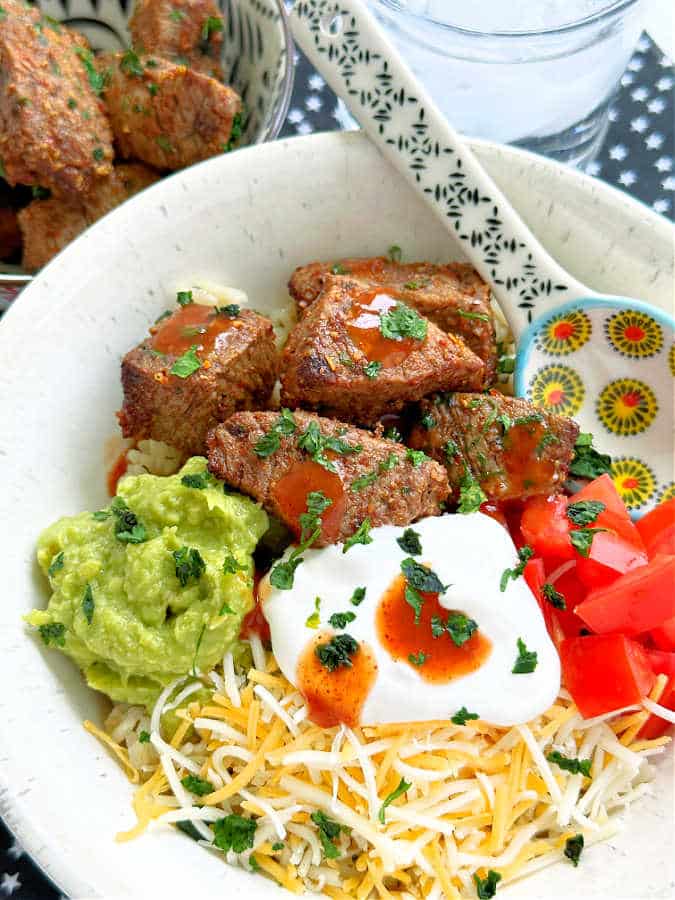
(634, 334)
(558, 389)
(627, 406)
(565, 333)
(634, 481)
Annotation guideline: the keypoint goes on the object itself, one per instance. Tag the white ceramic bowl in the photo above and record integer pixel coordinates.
(245, 220)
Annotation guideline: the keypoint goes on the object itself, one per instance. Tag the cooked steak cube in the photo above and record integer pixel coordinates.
(49, 225)
(198, 366)
(189, 32)
(165, 114)
(358, 354)
(509, 446)
(53, 129)
(453, 296)
(279, 458)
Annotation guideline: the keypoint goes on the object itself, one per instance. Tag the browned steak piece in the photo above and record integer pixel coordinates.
(280, 458)
(453, 296)
(509, 446)
(166, 115)
(342, 360)
(183, 31)
(53, 128)
(198, 366)
(49, 225)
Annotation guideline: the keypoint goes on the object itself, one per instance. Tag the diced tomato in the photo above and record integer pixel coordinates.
(535, 575)
(610, 555)
(637, 602)
(657, 529)
(614, 516)
(664, 635)
(654, 727)
(545, 527)
(662, 663)
(571, 588)
(605, 672)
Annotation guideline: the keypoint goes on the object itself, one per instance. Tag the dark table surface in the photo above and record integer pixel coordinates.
(637, 157)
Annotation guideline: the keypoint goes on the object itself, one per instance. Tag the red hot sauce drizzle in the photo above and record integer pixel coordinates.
(363, 327)
(290, 496)
(337, 696)
(192, 325)
(401, 637)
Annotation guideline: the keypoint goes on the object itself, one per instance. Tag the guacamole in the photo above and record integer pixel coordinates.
(152, 586)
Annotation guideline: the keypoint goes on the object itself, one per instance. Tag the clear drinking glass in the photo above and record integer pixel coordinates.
(537, 73)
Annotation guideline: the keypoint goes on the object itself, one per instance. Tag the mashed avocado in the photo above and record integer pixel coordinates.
(158, 582)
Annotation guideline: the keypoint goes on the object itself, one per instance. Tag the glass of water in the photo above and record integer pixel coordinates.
(540, 74)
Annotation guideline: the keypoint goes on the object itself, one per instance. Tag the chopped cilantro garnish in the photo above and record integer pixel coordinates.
(128, 529)
(547, 438)
(88, 604)
(341, 619)
(403, 786)
(152, 88)
(506, 365)
(56, 564)
(144, 737)
(571, 764)
(417, 284)
(393, 434)
(197, 785)
(372, 369)
(278, 845)
(410, 542)
(231, 565)
(40, 193)
(328, 832)
(212, 25)
(253, 863)
(186, 364)
(460, 628)
(422, 578)
(283, 573)
(585, 512)
(462, 716)
(388, 464)
(188, 564)
(428, 421)
(583, 538)
(554, 597)
(164, 315)
(197, 480)
(587, 462)
(394, 253)
(471, 495)
(437, 626)
(363, 481)
(53, 633)
(316, 445)
(176, 15)
(98, 154)
(72, 103)
(231, 310)
(339, 269)
(97, 80)
(184, 298)
(186, 826)
(524, 554)
(451, 450)
(573, 848)
(403, 322)
(413, 598)
(238, 124)
(314, 620)
(269, 443)
(416, 457)
(526, 660)
(131, 64)
(337, 652)
(164, 143)
(417, 659)
(465, 314)
(358, 596)
(234, 833)
(360, 536)
(486, 888)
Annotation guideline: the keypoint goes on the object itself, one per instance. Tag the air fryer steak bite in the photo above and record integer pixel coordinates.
(196, 368)
(513, 449)
(53, 128)
(358, 354)
(50, 224)
(183, 31)
(164, 114)
(453, 296)
(279, 458)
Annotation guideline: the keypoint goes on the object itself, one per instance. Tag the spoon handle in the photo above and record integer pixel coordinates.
(344, 41)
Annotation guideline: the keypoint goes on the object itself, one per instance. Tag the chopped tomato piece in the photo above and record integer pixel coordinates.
(614, 516)
(605, 672)
(655, 726)
(662, 663)
(609, 556)
(571, 588)
(664, 635)
(637, 602)
(545, 527)
(657, 529)
(535, 575)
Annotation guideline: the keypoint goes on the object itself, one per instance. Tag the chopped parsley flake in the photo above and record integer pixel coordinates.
(187, 364)
(231, 565)
(340, 620)
(573, 848)
(53, 633)
(460, 628)
(339, 269)
(416, 457)
(451, 450)
(164, 143)
(358, 596)
(184, 298)
(188, 564)
(283, 573)
(144, 737)
(315, 444)
(394, 253)
(128, 529)
(403, 322)
(524, 554)
(269, 443)
(197, 480)
(417, 659)
(88, 604)
(56, 564)
(40, 193)
(363, 481)
(506, 365)
(403, 787)
(337, 652)
(585, 512)
(231, 310)
(427, 421)
(130, 64)
(97, 80)
(583, 538)
(98, 154)
(186, 826)
(570, 764)
(314, 620)
(328, 832)
(486, 888)
(360, 536)
(554, 597)
(393, 434)
(465, 314)
(212, 25)
(587, 462)
(278, 845)
(547, 438)
(197, 785)
(410, 542)
(238, 125)
(471, 495)
(422, 578)
(176, 15)
(372, 369)
(234, 833)
(526, 661)
(417, 284)
(462, 716)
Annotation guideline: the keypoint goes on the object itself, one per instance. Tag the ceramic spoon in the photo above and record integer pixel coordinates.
(607, 361)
